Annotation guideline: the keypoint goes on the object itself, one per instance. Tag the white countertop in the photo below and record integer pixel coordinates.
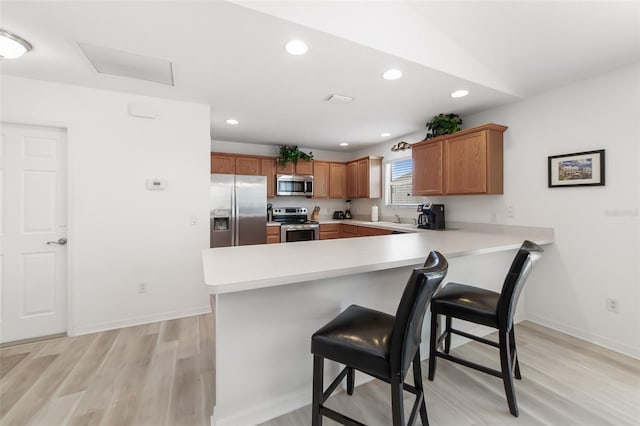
(233, 269)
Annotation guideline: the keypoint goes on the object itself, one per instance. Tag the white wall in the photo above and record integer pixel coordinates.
(120, 233)
(597, 249)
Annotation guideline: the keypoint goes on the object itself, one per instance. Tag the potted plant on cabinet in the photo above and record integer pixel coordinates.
(291, 153)
(443, 124)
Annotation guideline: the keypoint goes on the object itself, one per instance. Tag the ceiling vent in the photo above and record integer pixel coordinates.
(130, 65)
(339, 99)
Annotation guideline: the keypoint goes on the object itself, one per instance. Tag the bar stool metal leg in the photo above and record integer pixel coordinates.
(447, 339)
(397, 406)
(318, 376)
(417, 380)
(514, 353)
(507, 377)
(433, 339)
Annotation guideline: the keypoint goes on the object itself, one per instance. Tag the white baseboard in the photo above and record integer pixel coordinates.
(144, 319)
(603, 341)
(266, 411)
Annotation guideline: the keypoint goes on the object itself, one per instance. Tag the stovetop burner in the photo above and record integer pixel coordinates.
(292, 215)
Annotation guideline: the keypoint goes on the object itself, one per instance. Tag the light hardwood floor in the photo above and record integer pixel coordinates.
(162, 374)
(155, 374)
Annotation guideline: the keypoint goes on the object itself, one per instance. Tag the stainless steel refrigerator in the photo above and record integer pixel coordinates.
(238, 207)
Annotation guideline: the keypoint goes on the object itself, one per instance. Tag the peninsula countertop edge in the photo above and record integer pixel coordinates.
(243, 268)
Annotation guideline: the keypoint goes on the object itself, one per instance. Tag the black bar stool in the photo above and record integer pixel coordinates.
(487, 308)
(380, 345)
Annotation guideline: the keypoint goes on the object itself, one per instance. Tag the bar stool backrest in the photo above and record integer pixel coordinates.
(527, 255)
(407, 329)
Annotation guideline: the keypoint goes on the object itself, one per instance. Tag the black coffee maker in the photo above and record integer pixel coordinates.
(431, 216)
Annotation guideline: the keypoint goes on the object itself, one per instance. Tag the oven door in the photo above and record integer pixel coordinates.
(293, 233)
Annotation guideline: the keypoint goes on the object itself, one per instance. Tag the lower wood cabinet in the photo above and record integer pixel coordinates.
(330, 231)
(365, 231)
(273, 234)
(349, 231)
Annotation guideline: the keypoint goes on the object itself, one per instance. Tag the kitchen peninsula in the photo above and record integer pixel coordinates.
(269, 299)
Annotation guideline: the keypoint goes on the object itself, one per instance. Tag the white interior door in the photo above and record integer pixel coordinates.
(33, 274)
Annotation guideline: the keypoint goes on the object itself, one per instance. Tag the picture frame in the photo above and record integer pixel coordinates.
(577, 169)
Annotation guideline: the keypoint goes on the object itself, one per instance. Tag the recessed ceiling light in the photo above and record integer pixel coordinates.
(296, 47)
(385, 134)
(232, 121)
(344, 144)
(392, 74)
(12, 46)
(459, 93)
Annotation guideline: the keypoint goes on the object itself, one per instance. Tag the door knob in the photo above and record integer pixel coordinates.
(61, 241)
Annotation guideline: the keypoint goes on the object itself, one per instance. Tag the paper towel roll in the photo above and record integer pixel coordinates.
(374, 213)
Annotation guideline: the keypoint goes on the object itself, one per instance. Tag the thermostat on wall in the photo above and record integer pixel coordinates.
(156, 184)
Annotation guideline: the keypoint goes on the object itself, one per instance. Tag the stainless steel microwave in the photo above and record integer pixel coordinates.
(294, 185)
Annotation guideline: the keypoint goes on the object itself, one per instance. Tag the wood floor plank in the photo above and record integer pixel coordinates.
(93, 358)
(50, 379)
(8, 362)
(56, 411)
(14, 389)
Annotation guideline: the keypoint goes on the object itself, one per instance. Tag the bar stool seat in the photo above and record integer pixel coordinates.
(358, 336)
(469, 303)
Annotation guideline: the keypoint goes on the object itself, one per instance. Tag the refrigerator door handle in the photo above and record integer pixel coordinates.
(235, 234)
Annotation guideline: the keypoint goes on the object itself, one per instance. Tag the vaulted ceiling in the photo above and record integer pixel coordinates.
(230, 55)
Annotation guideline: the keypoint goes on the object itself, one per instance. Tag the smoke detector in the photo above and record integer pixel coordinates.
(338, 99)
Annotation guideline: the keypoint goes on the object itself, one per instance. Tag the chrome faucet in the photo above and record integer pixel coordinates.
(397, 218)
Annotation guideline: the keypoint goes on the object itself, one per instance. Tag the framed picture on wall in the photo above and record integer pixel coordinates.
(577, 169)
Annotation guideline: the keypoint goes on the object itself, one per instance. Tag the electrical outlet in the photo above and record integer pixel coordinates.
(493, 217)
(510, 211)
(613, 305)
(142, 288)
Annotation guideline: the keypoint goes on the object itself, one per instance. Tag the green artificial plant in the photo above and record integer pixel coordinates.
(443, 124)
(291, 153)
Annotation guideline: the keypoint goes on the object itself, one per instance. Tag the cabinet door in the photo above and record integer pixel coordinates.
(337, 180)
(268, 168)
(287, 169)
(320, 179)
(466, 164)
(304, 167)
(365, 231)
(427, 168)
(352, 179)
(363, 178)
(225, 164)
(349, 231)
(248, 166)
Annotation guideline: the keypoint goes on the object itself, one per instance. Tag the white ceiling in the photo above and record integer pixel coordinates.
(230, 56)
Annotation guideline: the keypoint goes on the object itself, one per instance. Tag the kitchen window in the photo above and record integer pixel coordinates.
(399, 174)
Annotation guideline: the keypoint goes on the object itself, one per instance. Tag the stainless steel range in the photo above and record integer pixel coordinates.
(295, 224)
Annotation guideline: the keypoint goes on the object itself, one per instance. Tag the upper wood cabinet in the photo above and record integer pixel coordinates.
(364, 178)
(300, 168)
(268, 168)
(465, 162)
(352, 179)
(223, 163)
(337, 180)
(428, 160)
(320, 179)
(304, 167)
(329, 180)
(248, 166)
